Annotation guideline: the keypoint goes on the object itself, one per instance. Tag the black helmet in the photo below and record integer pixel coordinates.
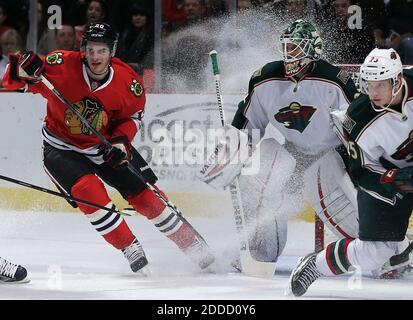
(100, 32)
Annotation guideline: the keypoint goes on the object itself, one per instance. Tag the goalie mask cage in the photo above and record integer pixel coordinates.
(323, 236)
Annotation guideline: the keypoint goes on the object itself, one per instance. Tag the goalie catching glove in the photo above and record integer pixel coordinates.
(225, 163)
(119, 154)
(399, 179)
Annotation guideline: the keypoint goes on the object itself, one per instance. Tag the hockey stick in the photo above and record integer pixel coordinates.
(61, 195)
(397, 259)
(103, 140)
(249, 265)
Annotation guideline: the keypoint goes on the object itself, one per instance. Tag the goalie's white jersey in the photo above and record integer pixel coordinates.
(300, 111)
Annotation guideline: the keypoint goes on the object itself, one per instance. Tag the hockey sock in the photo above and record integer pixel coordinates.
(110, 225)
(333, 260)
(164, 218)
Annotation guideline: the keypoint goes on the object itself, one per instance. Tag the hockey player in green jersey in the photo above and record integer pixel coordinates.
(378, 127)
(295, 96)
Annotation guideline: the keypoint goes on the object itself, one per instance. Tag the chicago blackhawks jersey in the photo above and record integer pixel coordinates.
(299, 110)
(114, 108)
(380, 141)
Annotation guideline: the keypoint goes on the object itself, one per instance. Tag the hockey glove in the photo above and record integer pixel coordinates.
(398, 179)
(29, 66)
(119, 155)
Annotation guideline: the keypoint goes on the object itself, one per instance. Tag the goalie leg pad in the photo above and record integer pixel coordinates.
(332, 194)
(262, 197)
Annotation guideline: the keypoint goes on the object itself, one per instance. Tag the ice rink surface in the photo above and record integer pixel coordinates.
(67, 259)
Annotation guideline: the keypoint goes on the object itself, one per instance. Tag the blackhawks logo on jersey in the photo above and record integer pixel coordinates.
(405, 150)
(92, 111)
(54, 58)
(295, 116)
(136, 88)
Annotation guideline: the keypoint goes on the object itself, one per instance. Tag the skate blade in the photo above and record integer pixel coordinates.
(25, 280)
(143, 272)
(288, 291)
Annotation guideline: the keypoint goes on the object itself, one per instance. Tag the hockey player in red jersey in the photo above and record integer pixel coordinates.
(110, 95)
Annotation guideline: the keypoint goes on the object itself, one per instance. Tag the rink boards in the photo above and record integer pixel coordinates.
(170, 121)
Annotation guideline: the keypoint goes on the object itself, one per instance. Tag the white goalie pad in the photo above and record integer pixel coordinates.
(332, 194)
(261, 196)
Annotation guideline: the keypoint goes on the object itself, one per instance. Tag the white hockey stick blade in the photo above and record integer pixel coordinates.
(256, 268)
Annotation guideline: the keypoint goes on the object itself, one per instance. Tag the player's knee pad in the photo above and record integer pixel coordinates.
(89, 187)
(332, 194)
(147, 203)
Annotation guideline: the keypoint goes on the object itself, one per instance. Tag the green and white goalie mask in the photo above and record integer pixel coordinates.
(301, 44)
(381, 71)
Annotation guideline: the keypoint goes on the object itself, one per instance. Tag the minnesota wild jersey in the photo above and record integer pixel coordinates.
(299, 110)
(380, 141)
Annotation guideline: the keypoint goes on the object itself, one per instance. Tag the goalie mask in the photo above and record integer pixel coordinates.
(381, 68)
(301, 44)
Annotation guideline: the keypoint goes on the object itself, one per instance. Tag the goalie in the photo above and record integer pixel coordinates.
(295, 96)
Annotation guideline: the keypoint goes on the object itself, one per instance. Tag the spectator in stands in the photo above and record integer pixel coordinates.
(194, 11)
(4, 25)
(397, 13)
(184, 70)
(243, 5)
(405, 49)
(216, 8)
(3, 63)
(400, 38)
(174, 15)
(136, 42)
(346, 44)
(95, 12)
(46, 37)
(296, 9)
(11, 42)
(65, 37)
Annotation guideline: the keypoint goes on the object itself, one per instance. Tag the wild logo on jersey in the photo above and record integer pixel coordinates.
(89, 109)
(405, 150)
(295, 116)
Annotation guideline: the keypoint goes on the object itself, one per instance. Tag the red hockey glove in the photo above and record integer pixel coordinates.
(30, 66)
(119, 155)
(400, 179)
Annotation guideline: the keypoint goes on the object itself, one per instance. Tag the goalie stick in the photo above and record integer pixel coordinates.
(249, 265)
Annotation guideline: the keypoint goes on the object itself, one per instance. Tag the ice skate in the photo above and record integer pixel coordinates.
(137, 258)
(303, 275)
(12, 273)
